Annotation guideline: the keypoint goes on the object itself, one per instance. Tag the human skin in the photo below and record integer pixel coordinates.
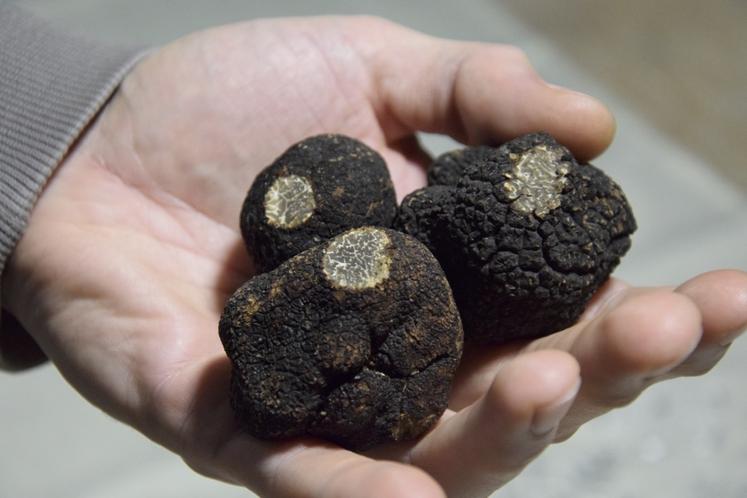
(134, 247)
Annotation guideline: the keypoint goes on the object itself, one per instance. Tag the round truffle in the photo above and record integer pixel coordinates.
(355, 340)
(525, 237)
(315, 190)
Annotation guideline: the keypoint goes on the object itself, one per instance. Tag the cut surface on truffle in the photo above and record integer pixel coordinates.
(289, 201)
(537, 180)
(357, 259)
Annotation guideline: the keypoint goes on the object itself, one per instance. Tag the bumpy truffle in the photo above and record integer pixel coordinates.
(525, 235)
(315, 190)
(450, 167)
(355, 340)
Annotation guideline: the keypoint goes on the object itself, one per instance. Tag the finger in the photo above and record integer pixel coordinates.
(721, 298)
(407, 161)
(310, 469)
(477, 93)
(612, 290)
(641, 338)
(479, 364)
(212, 444)
(482, 447)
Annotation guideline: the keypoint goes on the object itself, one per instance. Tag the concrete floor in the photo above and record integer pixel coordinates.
(684, 439)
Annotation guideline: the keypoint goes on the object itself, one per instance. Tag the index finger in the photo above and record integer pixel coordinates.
(474, 92)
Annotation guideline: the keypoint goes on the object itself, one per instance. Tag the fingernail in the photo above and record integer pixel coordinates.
(548, 418)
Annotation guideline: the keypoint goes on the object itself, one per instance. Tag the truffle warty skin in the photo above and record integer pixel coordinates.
(355, 340)
(524, 232)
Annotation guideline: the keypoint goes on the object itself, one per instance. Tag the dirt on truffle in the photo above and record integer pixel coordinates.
(315, 190)
(355, 341)
(526, 235)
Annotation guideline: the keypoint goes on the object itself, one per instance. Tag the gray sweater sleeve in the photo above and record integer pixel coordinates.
(51, 85)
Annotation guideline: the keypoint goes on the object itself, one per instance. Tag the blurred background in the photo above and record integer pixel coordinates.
(675, 75)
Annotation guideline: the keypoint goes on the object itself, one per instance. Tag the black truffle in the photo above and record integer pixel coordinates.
(355, 341)
(525, 236)
(449, 168)
(315, 190)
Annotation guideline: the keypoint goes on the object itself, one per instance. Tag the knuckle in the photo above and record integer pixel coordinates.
(374, 23)
(616, 398)
(564, 434)
(703, 360)
(512, 61)
(515, 55)
(695, 368)
(507, 468)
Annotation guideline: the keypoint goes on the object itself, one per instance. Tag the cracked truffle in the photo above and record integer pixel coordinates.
(315, 190)
(525, 236)
(355, 340)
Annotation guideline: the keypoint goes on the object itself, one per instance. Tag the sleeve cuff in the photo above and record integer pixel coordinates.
(52, 84)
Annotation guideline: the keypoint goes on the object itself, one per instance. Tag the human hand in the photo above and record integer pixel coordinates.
(134, 247)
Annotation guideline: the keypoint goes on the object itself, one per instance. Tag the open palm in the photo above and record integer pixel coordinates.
(134, 248)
